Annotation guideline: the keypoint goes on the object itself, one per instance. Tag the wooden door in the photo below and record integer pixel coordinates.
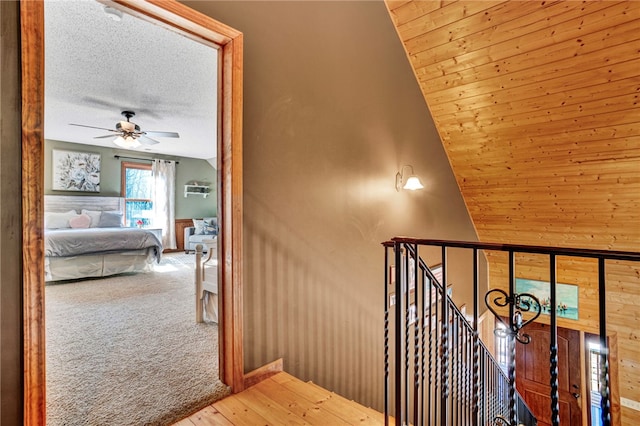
(533, 376)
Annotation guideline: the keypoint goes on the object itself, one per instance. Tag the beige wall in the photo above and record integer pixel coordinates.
(331, 112)
(10, 220)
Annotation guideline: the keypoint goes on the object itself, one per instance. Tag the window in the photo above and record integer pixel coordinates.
(137, 190)
(593, 381)
(502, 347)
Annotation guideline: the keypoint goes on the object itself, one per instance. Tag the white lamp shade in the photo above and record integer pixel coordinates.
(127, 142)
(413, 183)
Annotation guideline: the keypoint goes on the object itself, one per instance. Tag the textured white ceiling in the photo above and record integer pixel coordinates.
(96, 67)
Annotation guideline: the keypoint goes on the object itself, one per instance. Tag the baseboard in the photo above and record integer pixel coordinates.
(264, 372)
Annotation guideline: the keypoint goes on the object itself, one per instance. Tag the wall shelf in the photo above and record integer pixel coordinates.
(196, 190)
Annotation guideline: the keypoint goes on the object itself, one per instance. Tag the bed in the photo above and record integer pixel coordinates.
(84, 237)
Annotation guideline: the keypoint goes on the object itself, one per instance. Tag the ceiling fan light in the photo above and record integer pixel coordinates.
(120, 142)
(127, 126)
(127, 142)
(133, 142)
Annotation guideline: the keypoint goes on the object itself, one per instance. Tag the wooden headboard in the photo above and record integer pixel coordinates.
(64, 203)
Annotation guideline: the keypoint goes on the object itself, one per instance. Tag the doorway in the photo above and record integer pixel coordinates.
(186, 21)
(533, 376)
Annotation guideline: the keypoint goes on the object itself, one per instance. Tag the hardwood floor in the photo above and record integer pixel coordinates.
(283, 399)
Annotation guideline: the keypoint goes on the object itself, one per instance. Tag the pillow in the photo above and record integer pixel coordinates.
(199, 224)
(80, 221)
(94, 215)
(110, 220)
(209, 229)
(55, 220)
(210, 226)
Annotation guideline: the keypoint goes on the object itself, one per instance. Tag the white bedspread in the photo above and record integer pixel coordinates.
(76, 242)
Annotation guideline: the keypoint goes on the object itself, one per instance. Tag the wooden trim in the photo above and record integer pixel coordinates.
(228, 41)
(264, 372)
(124, 165)
(584, 376)
(614, 383)
(180, 225)
(180, 18)
(230, 213)
(32, 49)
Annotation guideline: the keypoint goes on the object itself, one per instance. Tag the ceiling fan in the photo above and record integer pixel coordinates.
(129, 135)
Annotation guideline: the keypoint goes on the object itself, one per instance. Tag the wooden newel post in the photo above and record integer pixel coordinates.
(198, 280)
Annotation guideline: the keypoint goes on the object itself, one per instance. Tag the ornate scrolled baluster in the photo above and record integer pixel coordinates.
(523, 302)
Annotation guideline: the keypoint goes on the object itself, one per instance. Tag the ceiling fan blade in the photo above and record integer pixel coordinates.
(102, 137)
(93, 127)
(162, 134)
(146, 140)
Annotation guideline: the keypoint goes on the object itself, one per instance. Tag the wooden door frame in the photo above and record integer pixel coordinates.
(186, 21)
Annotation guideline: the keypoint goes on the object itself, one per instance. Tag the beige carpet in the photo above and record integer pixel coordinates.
(126, 350)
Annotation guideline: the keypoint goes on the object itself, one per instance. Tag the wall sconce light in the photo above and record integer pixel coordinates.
(411, 183)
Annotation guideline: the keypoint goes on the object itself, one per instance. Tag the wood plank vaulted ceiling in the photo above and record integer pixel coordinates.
(536, 103)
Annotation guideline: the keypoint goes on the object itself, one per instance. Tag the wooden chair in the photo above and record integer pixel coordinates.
(205, 287)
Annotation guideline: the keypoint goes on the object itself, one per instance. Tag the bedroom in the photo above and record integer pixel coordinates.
(265, 141)
(118, 170)
(87, 88)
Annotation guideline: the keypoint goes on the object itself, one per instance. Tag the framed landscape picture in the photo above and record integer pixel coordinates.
(566, 296)
(75, 171)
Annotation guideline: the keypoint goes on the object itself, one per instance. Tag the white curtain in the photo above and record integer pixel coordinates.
(164, 177)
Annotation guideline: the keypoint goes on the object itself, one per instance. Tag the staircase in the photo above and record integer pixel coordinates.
(437, 370)
(283, 399)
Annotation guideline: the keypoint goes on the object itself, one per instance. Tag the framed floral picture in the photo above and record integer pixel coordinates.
(75, 171)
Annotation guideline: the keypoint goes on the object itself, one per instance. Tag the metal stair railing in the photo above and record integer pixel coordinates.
(437, 370)
(441, 363)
